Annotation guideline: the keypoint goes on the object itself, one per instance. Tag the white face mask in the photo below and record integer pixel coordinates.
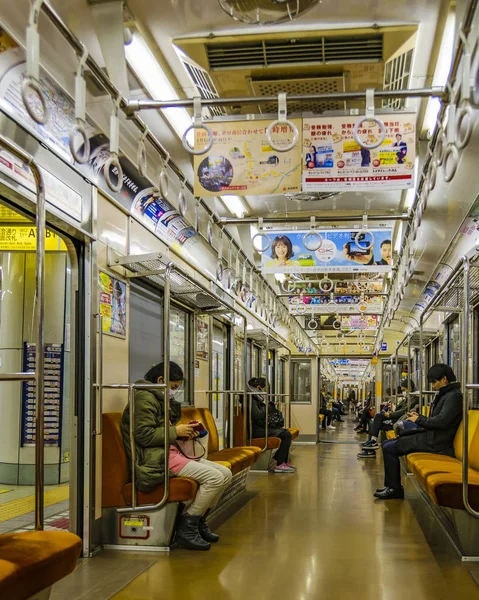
(172, 394)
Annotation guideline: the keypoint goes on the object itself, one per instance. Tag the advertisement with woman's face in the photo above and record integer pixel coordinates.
(340, 251)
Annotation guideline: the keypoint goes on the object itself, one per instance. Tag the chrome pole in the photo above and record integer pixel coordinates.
(99, 414)
(421, 364)
(409, 371)
(319, 218)
(465, 390)
(131, 403)
(245, 383)
(266, 391)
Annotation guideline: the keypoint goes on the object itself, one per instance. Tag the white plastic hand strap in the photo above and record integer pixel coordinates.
(282, 120)
(260, 236)
(209, 231)
(114, 161)
(197, 215)
(182, 204)
(80, 114)
(198, 124)
(325, 285)
(288, 286)
(369, 117)
(360, 238)
(219, 263)
(31, 83)
(312, 240)
(141, 156)
(163, 182)
(313, 323)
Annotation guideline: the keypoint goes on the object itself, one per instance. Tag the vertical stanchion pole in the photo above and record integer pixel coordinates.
(245, 382)
(39, 345)
(421, 364)
(409, 372)
(166, 376)
(131, 402)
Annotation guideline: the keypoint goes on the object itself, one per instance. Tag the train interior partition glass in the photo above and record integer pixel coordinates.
(301, 381)
(18, 354)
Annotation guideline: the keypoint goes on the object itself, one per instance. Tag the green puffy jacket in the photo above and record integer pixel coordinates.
(149, 432)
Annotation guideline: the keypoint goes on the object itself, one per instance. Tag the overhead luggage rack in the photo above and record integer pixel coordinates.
(258, 335)
(453, 295)
(153, 267)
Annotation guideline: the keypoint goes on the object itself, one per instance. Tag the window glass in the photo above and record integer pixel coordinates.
(301, 381)
(179, 349)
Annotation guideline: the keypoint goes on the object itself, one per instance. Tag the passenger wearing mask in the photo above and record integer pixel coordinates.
(384, 421)
(366, 415)
(258, 419)
(149, 429)
(434, 434)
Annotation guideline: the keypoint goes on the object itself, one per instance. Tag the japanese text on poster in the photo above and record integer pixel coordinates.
(112, 304)
(242, 162)
(340, 251)
(333, 160)
(202, 338)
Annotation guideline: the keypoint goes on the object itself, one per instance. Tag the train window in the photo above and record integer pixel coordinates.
(249, 368)
(219, 376)
(238, 365)
(256, 361)
(301, 381)
(180, 349)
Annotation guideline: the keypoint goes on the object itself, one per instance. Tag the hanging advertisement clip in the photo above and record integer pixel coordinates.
(182, 204)
(451, 154)
(464, 118)
(360, 238)
(113, 161)
(198, 124)
(31, 84)
(370, 116)
(219, 263)
(80, 114)
(163, 181)
(282, 120)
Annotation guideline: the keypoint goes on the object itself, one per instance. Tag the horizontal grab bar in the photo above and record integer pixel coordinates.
(17, 376)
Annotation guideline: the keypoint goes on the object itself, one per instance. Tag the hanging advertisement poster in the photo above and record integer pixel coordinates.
(202, 337)
(112, 304)
(359, 322)
(242, 162)
(342, 305)
(333, 160)
(432, 288)
(340, 252)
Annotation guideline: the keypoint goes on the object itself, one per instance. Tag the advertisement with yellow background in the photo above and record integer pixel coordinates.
(242, 162)
(24, 238)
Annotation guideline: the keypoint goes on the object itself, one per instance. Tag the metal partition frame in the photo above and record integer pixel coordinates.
(38, 328)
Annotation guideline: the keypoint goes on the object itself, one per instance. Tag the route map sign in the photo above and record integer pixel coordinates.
(242, 162)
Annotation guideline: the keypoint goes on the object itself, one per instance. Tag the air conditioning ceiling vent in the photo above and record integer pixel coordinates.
(318, 50)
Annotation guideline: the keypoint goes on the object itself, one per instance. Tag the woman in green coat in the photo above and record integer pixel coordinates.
(149, 434)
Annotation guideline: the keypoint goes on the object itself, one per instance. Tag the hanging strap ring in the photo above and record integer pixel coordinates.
(31, 84)
(282, 120)
(198, 124)
(370, 117)
(300, 308)
(464, 125)
(325, 285)
(313, 323)
(288, 286)
(80, 114)
(360, 241)
(141, 156)
(163, 181)
(312, 240)
(260, 235)
(451, 162)
(432, 175)
(441, 144)
(182, 204)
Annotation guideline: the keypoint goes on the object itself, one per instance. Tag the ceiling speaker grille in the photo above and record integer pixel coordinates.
(309, 85)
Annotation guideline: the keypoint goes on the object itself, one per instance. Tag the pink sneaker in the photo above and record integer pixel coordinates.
(290, 466)
(283, 469)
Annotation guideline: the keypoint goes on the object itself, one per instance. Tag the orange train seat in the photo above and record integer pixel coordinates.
(31, 562)
(238, 458)
(273, 442)
(441, 476)
(116, 480)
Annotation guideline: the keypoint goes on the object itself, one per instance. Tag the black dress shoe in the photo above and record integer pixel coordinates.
(381, 489)
(390, 494)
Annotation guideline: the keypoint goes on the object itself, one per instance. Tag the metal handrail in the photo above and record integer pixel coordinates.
(38, 328)
(465, 387)
(99, 413)
(17, 376)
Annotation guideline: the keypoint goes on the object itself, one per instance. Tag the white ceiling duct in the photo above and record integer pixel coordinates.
(264, 12)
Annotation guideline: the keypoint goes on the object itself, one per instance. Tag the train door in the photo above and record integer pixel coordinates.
(63, 383)
(219, 373)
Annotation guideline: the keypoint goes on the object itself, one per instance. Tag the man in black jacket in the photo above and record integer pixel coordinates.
(437, 436)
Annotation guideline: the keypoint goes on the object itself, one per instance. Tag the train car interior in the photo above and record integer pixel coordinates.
(239, 299)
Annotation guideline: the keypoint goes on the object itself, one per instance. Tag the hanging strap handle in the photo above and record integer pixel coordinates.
(80, 113)
(369, 116)
(114, 161)
(198, 124)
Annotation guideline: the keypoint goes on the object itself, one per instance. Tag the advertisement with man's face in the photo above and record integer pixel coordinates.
(340, 251)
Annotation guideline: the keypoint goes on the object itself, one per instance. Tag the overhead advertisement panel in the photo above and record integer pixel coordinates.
(342, 305)
(341, 251)
(333, 160)
(241, 161)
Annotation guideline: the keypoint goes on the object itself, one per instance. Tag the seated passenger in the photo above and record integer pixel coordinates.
(192, 530)
(258, 419)
(327, 412)
(434, 434)
(384, 421)
(366, 415)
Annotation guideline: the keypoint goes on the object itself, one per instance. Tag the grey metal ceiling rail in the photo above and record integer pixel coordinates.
(108, 86)
(432, 92)
(320, 219)
(38, 328)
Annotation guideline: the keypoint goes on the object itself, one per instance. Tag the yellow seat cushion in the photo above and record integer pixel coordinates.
(239, 459)
(426, 467)
(273, 442)
(390, 435)
(294, 432)
(445, 489)
(31, 562)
